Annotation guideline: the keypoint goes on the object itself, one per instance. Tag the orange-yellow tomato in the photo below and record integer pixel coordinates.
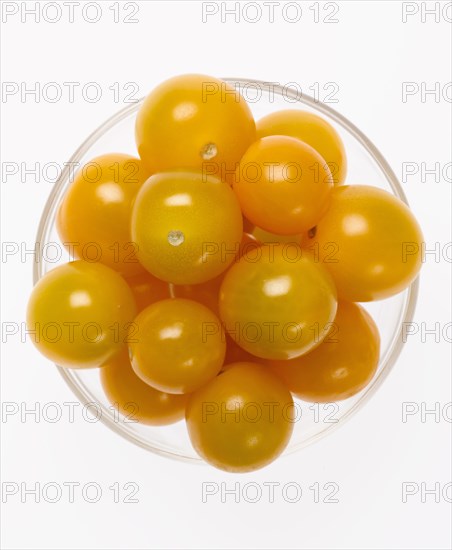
(207, 293)
(305, 240)
(274, 305)
(82, 313)
(242, 420)
(313, 130)
(94, 217)
(236, 354)
(197, 122)
(147, 289)
(248, 227)
(267, 237)
(186, 225)
(283, 185)
(179, 345)
(138, 401)
(342, 365)
(370, 242)
(248, 244)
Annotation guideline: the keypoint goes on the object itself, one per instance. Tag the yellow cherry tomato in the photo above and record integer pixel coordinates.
(94, 217)
(370, 242)
(277, 305)
(313, 130)
(178, 347)
(342, 365)
(204, 293)
(242, 420)
(147, 289)
(267, 237)
(236, 354)
(187, 226)
(82, 313)
(138, 401)
(283, 185)
(197, 122)
(207, 293)
(248, 227)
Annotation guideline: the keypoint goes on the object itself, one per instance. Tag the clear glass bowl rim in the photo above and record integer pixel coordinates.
(83, 394)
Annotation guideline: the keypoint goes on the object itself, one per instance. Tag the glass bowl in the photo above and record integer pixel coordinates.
(366, 165)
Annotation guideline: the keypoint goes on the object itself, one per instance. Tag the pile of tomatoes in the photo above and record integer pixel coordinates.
(218, 273)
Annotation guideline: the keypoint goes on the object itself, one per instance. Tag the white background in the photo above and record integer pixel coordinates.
(369, 53)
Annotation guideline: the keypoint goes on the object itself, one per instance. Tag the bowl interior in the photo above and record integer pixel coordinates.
(365, 166)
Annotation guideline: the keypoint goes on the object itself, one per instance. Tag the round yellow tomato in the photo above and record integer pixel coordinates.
(187, 226)
(342, 365)
(313, 130)
(147, 289)
(242, 420)
(267, 237)
(370, 242)
(236, 354)
(248, 227)
(282, 185)
(138, 401)
(196, 122)
(82, 313)
(276, 305)
(94, 217)
(207, 293)
(179, 345)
